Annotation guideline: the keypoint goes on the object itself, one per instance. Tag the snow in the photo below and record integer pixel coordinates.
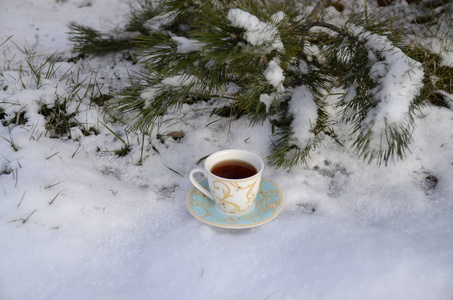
(158, 21)
(303, 105)
(267, 100)
(274, 74)
(437, 46)
(186, 45)
(77, 222)
(179, 80)
(257, 33)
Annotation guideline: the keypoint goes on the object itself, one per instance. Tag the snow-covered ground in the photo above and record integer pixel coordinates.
(77, 222)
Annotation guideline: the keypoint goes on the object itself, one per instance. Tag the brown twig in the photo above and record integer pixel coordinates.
(320, 6)
(312, 19)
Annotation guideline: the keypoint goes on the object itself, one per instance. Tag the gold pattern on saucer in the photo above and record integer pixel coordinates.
(267, 205)
(202, 203)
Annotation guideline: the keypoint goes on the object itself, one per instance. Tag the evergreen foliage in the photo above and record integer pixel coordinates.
(280, 62)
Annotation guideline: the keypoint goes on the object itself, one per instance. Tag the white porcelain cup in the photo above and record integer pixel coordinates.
(231, 196)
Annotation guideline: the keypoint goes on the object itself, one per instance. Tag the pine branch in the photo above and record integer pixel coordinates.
(90, 41)
(273, 63)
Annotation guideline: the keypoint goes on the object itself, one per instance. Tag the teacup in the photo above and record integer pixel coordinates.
(234, 178)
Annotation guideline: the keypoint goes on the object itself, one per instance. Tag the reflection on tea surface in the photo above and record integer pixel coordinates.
(233, 169)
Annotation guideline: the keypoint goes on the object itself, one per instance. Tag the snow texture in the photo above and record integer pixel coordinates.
(304, 107)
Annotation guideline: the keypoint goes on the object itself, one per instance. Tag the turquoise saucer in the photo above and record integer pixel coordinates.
(268, 204)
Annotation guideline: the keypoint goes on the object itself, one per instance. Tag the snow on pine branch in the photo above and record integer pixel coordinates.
(186, 45)
(399, 79)
(258, 34)
(275, 76)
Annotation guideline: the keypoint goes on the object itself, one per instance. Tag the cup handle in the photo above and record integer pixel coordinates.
(197, 184)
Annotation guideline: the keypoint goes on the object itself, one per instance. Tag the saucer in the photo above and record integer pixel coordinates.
(268, 204)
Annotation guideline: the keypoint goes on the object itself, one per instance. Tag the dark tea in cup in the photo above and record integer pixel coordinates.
(233, 169)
